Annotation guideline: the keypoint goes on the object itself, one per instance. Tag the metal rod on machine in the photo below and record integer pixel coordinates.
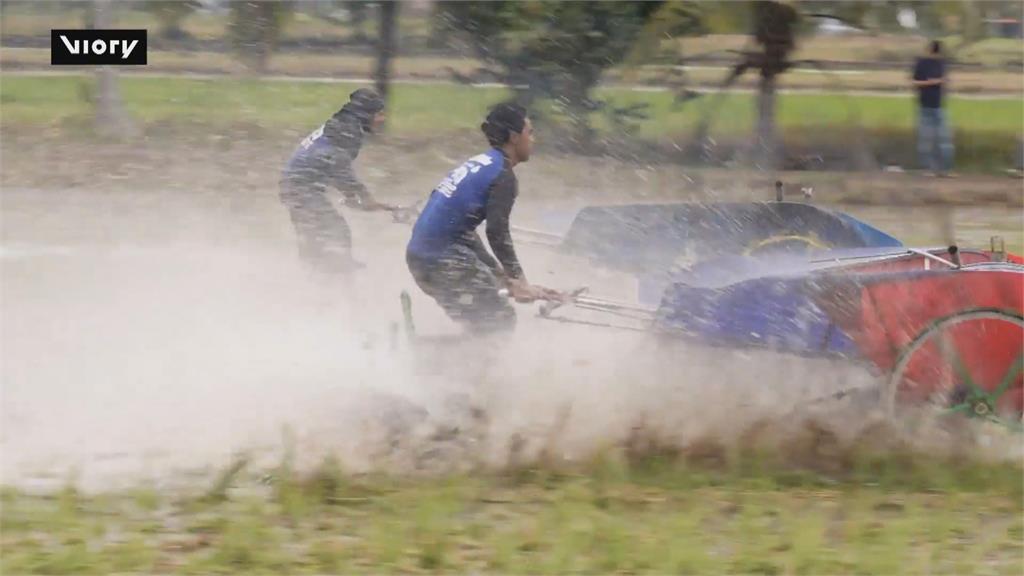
(597, 324)
(931, 256)
(537, 236)
(629, 314)
(895, 253)
(601, 304)
(577, 299)
(542, 233)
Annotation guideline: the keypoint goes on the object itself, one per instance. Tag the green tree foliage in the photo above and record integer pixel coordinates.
(550, 49)
(171, 14)
(356, 14)
(673, 19)
(358, 10)
(725, 17)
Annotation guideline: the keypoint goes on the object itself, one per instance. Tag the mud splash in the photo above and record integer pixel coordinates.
(153, 336)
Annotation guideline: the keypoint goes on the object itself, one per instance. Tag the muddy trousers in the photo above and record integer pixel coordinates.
(465, 287)
(325, 241)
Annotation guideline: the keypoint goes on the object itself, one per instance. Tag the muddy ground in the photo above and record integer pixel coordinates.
(156, 318)
(249, 163)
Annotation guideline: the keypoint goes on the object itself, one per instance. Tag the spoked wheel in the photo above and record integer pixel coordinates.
(971, 364)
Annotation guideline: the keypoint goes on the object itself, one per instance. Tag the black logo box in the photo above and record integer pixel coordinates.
(113, 47)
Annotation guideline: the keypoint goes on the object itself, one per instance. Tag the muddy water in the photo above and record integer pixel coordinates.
(145, 334)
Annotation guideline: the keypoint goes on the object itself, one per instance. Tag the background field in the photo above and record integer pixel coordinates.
(987, 130)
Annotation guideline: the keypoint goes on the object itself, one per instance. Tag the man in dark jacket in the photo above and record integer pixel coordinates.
(445, 255)
(932, 125)
(322, 160)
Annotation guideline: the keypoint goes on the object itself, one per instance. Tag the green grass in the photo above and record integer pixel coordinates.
(220, 104)
(893, 514)
(987, 131)
(424, 109)
(737, 112)
(993, 51)
(885, 47)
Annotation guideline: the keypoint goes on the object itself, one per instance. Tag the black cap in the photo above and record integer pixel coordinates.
(503, 119)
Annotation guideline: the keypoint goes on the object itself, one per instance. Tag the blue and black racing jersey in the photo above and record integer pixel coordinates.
(482, 188)
(325, 156)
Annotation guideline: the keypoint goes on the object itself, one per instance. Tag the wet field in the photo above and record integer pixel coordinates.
(150, 332)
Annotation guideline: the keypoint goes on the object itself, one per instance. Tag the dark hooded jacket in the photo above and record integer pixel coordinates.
(324, 158)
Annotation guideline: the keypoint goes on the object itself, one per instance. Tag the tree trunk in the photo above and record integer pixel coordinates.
(255, 28)
(386, 48)
(112, 119)
(767, 153)
(262, 20)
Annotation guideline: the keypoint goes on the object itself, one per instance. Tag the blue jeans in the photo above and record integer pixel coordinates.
(933, 132)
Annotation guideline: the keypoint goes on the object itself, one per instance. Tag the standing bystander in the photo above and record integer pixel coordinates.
(933, 131)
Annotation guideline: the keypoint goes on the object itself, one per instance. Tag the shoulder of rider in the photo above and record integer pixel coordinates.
(344, 131)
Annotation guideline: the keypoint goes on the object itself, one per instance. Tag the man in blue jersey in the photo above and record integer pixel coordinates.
(445, 255)
(324, 160)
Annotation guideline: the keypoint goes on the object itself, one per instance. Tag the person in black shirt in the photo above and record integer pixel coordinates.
(932, 125)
